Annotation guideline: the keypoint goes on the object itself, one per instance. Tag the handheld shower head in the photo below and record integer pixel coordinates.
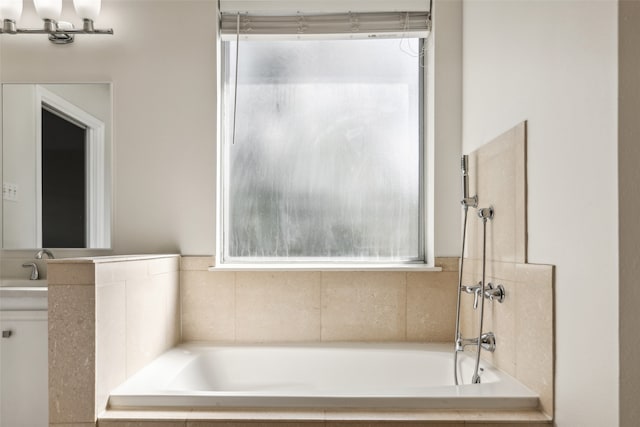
(466, 200)
(464, 165)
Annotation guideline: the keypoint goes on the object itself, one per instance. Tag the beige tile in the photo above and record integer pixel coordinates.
(111, 340)
(431, 306)
(447, 263)
(255, 423)
(499, 176)
(467, 313)
(145, 334)
(72, 425)
(144, 415)
(208, 305)
(71, 274)
(278, 306)
(497, 189)
(498, 270)
(509, 424)
(494, 269)
(257, 415)
(535, 274)
(487, 416)
(140, 423)
(403, 423)
(442, 416)
(521, 193)
(501, 320)
(535, 356)
(363, 306)
(164, 265)
(169, 284)
(202, 263)
(71, 353)
(122, 270)
(472, 270)
(473, 244)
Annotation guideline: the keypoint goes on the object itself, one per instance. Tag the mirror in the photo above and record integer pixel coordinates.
(56, 157)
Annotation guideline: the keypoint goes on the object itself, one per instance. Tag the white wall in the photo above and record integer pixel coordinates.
(161, 61)
(446, 99)
(19, 148)
(554, 63)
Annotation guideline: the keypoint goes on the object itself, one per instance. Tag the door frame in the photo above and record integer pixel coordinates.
(97, 231)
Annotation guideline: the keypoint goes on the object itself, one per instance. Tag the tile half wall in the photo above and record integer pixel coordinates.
(313, 306)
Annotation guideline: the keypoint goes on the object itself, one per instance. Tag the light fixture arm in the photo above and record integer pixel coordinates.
(52, 28)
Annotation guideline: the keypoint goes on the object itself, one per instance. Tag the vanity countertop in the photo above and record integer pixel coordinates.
(109, 258)
(22, 295)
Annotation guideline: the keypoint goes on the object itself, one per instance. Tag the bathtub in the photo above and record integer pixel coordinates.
(317, 376)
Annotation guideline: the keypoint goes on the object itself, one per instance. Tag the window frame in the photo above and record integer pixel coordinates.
(425, 259)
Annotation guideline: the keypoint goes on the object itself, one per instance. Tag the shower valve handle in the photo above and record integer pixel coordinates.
(495, 293)
(476, 290)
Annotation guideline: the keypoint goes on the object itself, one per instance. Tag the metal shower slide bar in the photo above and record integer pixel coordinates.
(482, 290)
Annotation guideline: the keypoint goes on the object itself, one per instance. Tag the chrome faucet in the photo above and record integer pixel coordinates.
(34, 270)
(495, 293)
(487, 342)
(43, 252)
(492, 293)
(476, 290)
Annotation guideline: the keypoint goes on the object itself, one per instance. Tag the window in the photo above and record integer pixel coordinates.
(322, 155)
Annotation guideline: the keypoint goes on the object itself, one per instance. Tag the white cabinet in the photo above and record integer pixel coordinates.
(23, 369)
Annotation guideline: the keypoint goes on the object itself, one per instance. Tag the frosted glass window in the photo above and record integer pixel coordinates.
(326, 163)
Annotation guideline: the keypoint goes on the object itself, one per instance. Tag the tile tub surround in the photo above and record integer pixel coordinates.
(108, 317)
(523, 324)
(311, 306)
(498, 176)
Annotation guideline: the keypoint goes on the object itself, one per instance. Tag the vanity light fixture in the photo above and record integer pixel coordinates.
(60, 32)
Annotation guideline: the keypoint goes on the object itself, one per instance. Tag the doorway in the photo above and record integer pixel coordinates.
(64, 206)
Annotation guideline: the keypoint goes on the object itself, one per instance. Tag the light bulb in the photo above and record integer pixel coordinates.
(87, 9)
(48, 9)
(10, 9)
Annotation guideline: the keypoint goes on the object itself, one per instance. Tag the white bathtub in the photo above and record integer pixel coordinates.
(317, 376)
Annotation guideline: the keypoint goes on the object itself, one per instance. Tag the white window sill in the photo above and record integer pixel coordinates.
(325, 267)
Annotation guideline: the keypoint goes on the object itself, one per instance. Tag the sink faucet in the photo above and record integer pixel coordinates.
(34, 270)
(43, 252)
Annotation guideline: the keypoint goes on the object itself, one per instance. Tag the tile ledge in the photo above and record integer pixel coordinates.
(325, 267)
(276, 414)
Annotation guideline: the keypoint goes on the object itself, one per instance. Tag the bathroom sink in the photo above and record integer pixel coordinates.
(16, 294)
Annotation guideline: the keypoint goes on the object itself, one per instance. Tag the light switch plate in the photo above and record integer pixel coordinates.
(10, 191)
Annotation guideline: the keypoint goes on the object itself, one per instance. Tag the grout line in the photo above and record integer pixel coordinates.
(321, 305)
(320, 308)
(406, 306)
(235, 307)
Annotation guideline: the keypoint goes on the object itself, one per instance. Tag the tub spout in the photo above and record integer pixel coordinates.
(487, 342)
